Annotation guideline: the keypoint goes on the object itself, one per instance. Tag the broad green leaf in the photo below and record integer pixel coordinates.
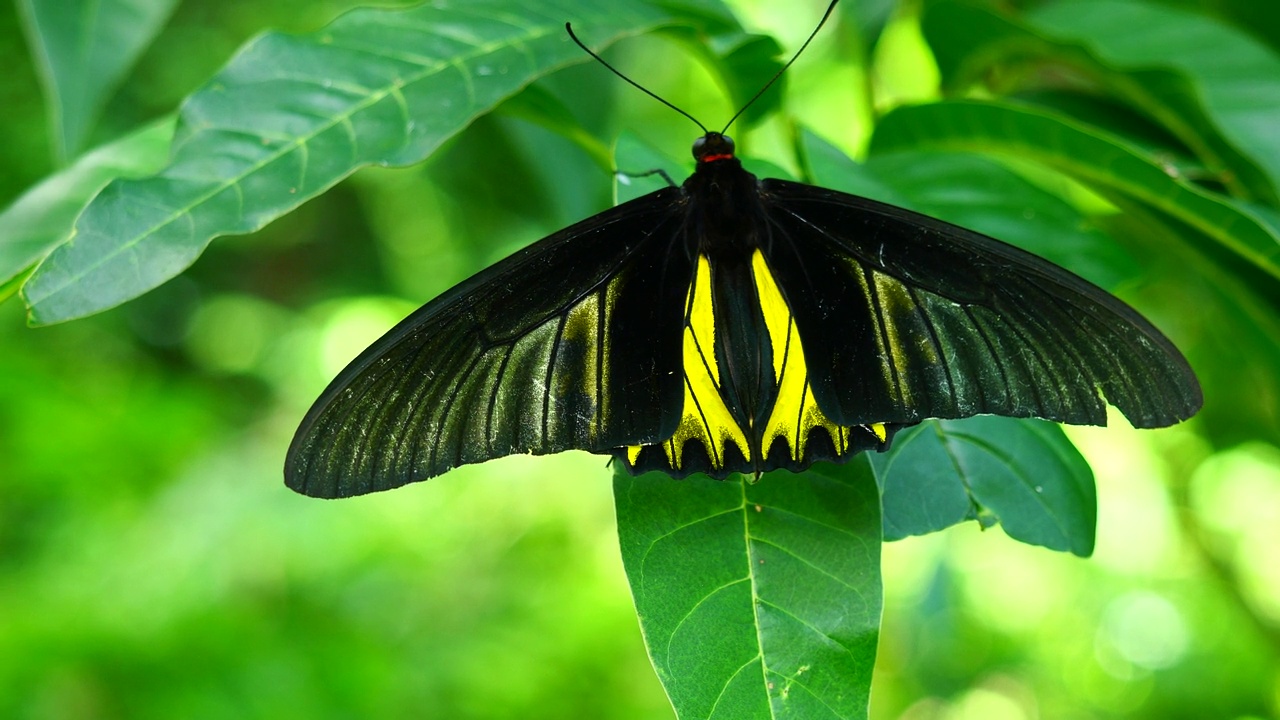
(83, 48)
(757, 600)
(292, 115)
(1236, 77)
(42, 218)
(978, 193)
(1024, 474)
(1211, 87)
(1092, 156)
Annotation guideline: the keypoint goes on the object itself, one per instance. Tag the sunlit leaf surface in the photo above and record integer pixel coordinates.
(43, 217)
(292, 115)
(757, 600)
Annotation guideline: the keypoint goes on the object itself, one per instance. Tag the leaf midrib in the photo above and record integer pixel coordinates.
(301, 141)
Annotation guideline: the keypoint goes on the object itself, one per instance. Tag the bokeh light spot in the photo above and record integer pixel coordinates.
(230, 332)
(1146, 630)
(986, 704)
(353, 327)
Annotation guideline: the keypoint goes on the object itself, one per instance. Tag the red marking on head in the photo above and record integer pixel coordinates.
(713, 158)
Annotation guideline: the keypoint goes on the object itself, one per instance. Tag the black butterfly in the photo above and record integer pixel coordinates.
(733, 325)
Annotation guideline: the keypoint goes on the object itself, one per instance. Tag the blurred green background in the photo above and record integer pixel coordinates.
(152, 564)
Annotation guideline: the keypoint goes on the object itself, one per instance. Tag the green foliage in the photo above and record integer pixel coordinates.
(151, 565)
(757, 600)
(84, 50)
(292, 115)
(1024, 474)
(1087, 154)
(39, 221)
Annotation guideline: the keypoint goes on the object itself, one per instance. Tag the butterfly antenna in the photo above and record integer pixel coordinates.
(569, 28)
(778, 74)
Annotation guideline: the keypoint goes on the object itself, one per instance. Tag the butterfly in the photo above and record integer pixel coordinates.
(733, 325)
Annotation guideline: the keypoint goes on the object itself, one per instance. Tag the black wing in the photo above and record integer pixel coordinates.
(905, 317)
(573, 342)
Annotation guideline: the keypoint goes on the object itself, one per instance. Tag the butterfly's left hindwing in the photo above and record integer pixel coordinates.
(572, 343)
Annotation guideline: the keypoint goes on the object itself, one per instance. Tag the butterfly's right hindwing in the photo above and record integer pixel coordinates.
(572, 343)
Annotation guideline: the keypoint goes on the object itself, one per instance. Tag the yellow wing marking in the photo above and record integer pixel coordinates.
(583, 333)
(795, 411)
(705, 417)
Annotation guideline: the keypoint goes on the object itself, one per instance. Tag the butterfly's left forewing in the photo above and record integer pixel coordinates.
(905, 317)
(572, 343)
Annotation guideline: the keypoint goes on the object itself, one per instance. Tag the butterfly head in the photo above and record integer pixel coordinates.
(712, 147)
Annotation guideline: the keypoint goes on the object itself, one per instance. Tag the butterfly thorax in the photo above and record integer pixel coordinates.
(723, 200)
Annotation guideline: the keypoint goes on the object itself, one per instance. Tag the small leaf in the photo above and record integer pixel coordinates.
(1099, 159)
(43, 217)
(1024, 473)
(83, 49)
(293, 114)
(757, 600)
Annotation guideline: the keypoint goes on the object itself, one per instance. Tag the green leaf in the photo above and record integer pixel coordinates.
(292, 115)
(979, 193)
(1211, 87)
(711, 15)
(1236, 77)
(757, 600)
(1024, 474)
(43, 217)
(1092, 156)
(83, 48)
